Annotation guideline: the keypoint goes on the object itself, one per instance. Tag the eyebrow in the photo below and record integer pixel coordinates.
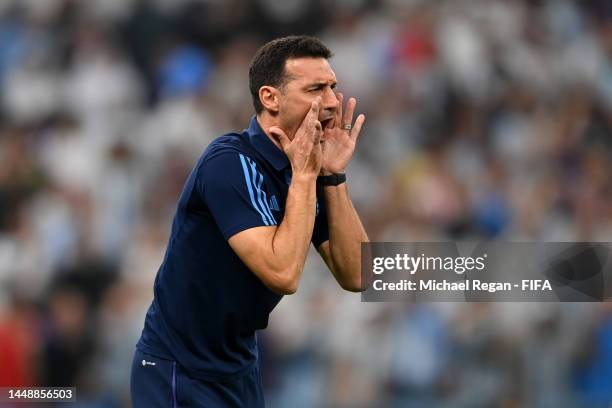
(321, 84)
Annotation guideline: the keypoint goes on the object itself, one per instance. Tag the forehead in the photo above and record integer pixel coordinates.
(306, 70)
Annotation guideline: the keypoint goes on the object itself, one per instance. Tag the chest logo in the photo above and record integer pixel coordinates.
(274, 203)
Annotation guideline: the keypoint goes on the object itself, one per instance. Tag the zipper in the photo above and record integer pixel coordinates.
(174, 384)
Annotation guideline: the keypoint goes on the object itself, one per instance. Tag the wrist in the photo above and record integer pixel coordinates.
(324, 172)
(303, 178)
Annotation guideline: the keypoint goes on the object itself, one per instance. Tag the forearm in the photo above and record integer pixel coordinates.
(346, 233)
(291, 239)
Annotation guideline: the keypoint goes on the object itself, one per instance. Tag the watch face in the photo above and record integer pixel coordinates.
(339, 178)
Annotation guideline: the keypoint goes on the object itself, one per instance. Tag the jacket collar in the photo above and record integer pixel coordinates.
(262, 143)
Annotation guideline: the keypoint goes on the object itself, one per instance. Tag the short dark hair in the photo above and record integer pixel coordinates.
(268, 64)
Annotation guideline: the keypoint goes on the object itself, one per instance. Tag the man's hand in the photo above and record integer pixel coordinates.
(304, 151)
(339, 142)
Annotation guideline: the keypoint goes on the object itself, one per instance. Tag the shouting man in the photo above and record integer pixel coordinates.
(245, 219)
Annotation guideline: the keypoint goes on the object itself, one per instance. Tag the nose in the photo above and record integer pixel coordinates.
(329, 100)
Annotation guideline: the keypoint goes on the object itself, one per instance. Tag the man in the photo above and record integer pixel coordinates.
(245, 219)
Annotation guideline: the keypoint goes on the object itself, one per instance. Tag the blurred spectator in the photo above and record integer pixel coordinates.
(485, 120)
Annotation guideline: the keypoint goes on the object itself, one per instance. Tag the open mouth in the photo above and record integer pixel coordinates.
(326, 122)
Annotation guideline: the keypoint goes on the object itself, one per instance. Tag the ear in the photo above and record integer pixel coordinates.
(270, 98)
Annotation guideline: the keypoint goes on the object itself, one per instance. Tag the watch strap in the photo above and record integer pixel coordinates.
(334, 179)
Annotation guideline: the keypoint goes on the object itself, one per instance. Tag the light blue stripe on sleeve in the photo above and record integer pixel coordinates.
(257, 181)
(265, 197)
(247, 178)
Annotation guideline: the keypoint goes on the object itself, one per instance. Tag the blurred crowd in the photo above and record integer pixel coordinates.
(486, 119)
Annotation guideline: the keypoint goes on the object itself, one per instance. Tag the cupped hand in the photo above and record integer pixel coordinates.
(304, 151)
(340, 137)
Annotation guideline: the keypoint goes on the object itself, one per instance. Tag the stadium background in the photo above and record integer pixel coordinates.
(485, 120)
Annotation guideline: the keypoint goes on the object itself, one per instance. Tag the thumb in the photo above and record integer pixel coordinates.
(280, 136)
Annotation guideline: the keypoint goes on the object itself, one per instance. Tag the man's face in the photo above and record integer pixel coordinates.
(307, 79)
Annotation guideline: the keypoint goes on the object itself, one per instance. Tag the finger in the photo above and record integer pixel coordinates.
(308, 122)
(317, 133)
(280, 136)
(338, 116)
(313, 113)
(357, 128)
(350, 109)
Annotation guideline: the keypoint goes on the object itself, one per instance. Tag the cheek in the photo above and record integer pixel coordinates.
(294, 108)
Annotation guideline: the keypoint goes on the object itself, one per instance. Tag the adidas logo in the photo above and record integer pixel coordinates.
(274, 204)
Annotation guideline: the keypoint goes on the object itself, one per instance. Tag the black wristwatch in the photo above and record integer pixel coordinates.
(334, 179)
